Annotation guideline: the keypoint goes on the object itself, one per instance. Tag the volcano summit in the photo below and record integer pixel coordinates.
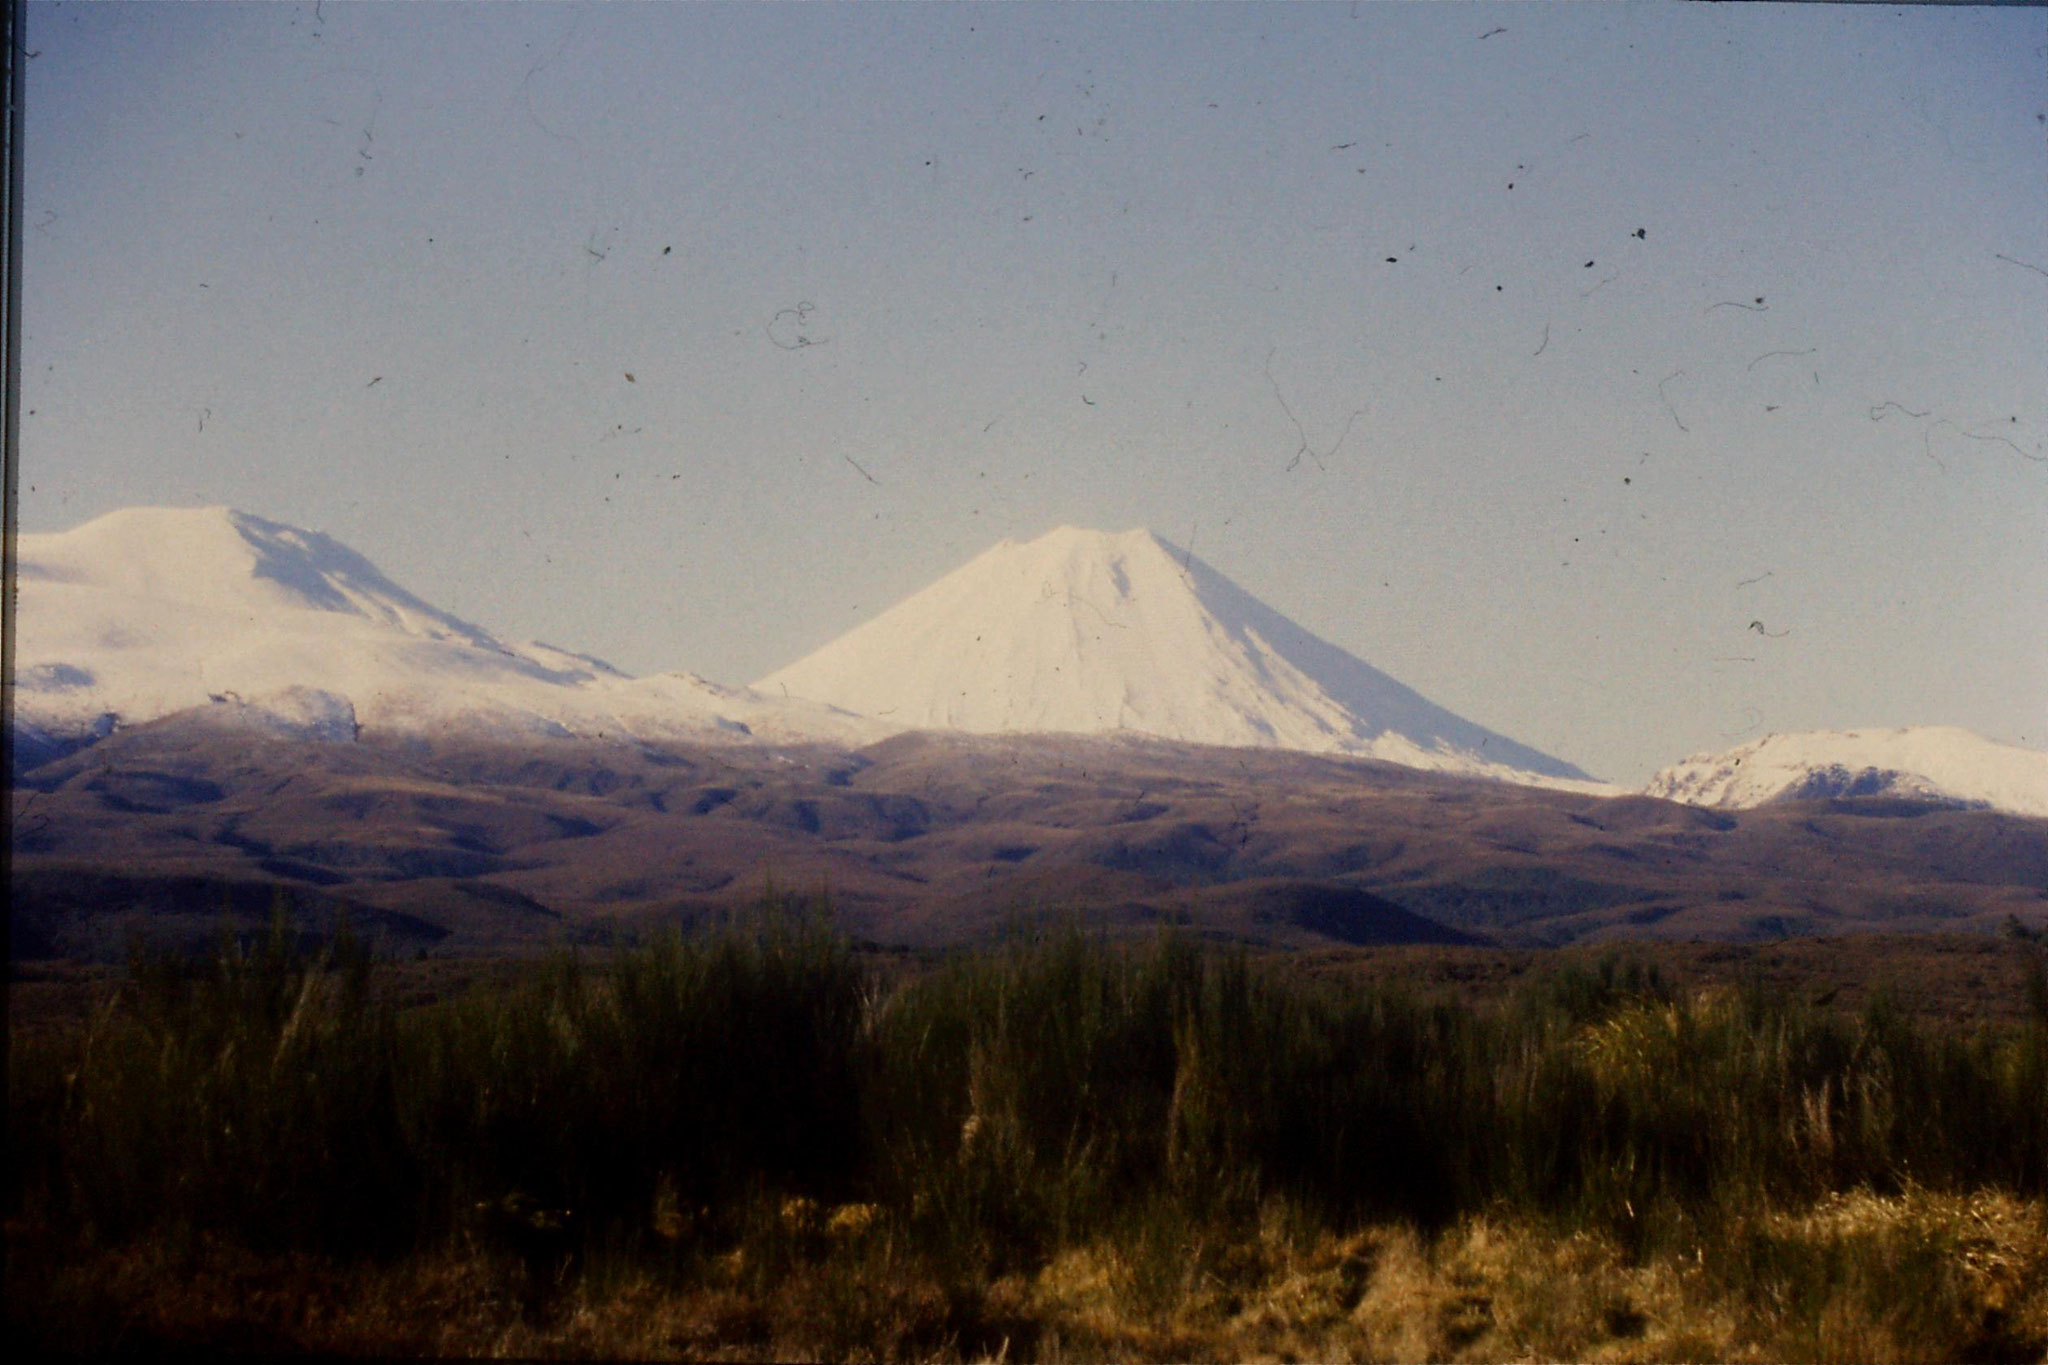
(1090, 632)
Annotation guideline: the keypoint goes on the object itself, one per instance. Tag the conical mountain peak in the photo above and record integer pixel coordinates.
(1086, 539)
(1094, 632)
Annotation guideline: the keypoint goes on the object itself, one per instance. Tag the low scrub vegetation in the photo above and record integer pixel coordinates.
(749, 1142)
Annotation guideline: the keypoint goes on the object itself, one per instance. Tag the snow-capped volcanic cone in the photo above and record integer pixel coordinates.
(1089, 632)
(149, 611)
(1925, 762)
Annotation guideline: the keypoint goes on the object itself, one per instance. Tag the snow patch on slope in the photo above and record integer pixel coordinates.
(290, 713)
(1089, 632)
(1929, 762)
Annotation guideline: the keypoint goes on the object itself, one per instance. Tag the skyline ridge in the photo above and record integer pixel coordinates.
(216, 604)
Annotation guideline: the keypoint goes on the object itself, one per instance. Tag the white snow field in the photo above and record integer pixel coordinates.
(1091, 632)
(148, 611)
(1929, 762)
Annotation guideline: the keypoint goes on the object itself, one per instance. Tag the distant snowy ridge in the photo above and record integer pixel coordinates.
(1929, 762)
(266, 629)
(147, 612)
(1091, 632)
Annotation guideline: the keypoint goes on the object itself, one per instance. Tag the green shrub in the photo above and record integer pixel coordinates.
(672, 1100)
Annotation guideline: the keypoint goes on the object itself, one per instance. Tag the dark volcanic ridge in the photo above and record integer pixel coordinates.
(925, 840)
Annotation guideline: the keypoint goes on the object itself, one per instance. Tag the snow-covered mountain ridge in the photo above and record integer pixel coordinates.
(1090, 632)
(149, 611)
(263, 628)
(1928, 762)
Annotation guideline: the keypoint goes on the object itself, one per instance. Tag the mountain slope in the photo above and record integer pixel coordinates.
(1089, 632)
(1928, 762)
(149, 611)
(934, 838)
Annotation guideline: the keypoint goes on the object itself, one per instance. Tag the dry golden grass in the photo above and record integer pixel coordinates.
(1914, 1277)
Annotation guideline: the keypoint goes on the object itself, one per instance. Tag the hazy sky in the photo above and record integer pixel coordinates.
(1699, 354)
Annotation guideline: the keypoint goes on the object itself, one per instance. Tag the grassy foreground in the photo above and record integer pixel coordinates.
(750, 1144)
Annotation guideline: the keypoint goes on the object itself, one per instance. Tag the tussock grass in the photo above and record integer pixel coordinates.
(746, 1143)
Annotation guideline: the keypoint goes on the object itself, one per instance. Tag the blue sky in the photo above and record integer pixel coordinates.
(1703, 394)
